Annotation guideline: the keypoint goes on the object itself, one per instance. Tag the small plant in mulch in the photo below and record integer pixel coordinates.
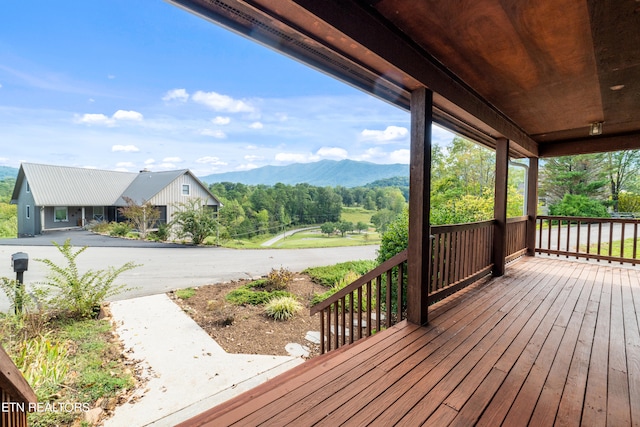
(279, 280)
(185, 293)
(221, 311)
(282, 308)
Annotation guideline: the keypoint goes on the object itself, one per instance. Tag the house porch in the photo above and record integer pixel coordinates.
(552, 342)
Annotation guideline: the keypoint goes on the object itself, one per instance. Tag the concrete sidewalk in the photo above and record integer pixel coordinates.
(188, 371)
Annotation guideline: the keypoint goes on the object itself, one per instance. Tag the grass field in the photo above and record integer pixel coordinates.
(315, 239)
(356, 215)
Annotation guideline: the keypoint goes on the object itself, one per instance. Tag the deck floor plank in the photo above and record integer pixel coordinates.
(552, 342)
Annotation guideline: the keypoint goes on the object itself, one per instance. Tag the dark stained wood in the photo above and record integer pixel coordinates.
(500, 207)
(418, 259)
(532, 204)
(551, 342)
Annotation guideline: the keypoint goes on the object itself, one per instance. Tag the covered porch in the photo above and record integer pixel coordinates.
(551, 342)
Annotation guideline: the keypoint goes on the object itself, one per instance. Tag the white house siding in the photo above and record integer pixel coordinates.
(27, 226)
(171, 195)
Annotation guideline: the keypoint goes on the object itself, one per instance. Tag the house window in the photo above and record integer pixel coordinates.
(60, 214)
(98, 213)
(28, 188)
(186, 189)
(28, 212)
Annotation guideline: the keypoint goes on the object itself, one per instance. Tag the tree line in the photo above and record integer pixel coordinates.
(251, 210)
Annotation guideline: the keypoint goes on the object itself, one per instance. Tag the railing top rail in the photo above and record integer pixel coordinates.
(12, 381)
(517, 219)
(439, 229)
(382, 268)
(589, 219)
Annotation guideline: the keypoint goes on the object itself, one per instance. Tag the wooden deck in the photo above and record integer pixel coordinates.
(552, 342)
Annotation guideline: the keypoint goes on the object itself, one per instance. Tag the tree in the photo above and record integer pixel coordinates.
(143, 217)
(578, 175)
(344, 227)
(361, 226)
(194, 220)
(622, 167)
(328, 228)
(381, 219)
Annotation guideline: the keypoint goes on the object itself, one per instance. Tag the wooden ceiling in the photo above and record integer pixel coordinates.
(537, 72)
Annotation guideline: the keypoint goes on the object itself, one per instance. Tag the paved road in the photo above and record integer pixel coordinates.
(166, 267)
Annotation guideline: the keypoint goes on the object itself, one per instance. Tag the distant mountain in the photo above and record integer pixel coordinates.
(8, 172)
(346, 173)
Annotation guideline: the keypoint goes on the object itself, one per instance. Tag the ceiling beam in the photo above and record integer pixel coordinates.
(594, 144)
(360, 24)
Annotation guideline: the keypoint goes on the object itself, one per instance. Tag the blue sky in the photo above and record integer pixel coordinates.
(124, 85)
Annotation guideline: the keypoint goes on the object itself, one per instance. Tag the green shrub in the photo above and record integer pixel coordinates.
(246, 295)
(119, 229)
(329, 275)
(80, 295)
(282, 308)
(163, 232)
(348, 278)
(628, 202)
(98, 226)
(580, 206)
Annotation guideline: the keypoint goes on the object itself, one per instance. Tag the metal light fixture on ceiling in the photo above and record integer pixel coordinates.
(595, 128)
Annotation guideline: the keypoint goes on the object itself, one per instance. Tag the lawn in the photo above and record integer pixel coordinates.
(315, 239)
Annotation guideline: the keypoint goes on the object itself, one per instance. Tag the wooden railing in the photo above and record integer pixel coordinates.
(363, 297)
(589, 238)
(516, 237)
(16, 395)
(461, 254)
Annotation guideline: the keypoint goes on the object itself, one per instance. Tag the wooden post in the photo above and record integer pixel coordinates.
(419, 255)
(532, 205)
(500, 207)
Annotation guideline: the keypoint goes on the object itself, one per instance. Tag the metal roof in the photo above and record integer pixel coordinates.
(69, 186)
(148, 184)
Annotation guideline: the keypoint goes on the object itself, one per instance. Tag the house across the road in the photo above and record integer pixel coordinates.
(60, 197)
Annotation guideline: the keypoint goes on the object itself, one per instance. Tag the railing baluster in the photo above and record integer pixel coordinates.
(369, 308)
(635, 242)
(322, 334)
(378, 301)
(329, 328)
(588, 238)
(578, 232)
(388, 302)
(351, 314)
(336, 326)
(400, 293)
(624, 225)
(568, 237)
(599, 239)
(360, 312)
(343, 318)
(610, 239)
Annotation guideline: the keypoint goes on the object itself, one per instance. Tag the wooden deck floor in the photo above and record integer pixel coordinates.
(550, 343)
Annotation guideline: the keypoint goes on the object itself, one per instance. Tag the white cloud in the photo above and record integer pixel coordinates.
(111, 76)
(125, 148)
(256, 125)
(246, 167)
(390, 134)
(221, 120)
(378, 155)
(251, 147)
(210, 160)
(223, 103)
(172, 160)
(216, 133)
(125, 165)
(149, 161)
(292, 157)
(95, 119)
(104, 120)
(0, 85)
(252, 157)
(176, 94)
(335, 153)
(127, 115)
(166, 165)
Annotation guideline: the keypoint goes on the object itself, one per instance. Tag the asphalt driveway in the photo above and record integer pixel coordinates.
(166, 266)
